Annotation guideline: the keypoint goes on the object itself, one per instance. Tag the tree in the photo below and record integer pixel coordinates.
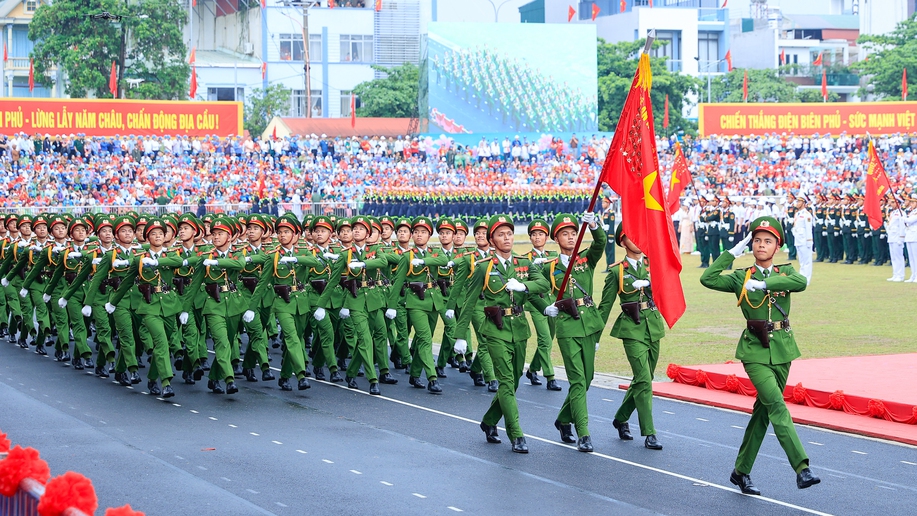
(617, 63)
(394, 96)
(66, 36)
(262, 105)
(888, 55)
(763, 86)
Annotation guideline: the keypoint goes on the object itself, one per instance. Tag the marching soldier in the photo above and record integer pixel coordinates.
(445, 278)
(544, 326)
(320, 278)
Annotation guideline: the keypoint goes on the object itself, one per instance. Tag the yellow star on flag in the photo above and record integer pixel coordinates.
(651, 202)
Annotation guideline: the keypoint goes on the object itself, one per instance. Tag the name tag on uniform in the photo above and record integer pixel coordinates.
(494, 273)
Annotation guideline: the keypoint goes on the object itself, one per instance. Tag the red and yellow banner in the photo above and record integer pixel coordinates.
(854, 118)
(120, 117)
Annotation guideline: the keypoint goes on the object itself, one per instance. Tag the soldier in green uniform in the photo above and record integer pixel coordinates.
(254, 257)
(821, 231)
(193, 330)
(544, 326)
(507, 282)
(849, 231)
(579, 322)
(398, 327)
(701, 232)
(38, 264)
(608, 225)
(640, 328)
(767, 346)
(320, 277)
(788, 227)
(445, 278)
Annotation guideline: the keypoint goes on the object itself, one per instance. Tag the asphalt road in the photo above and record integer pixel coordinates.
(331, 450)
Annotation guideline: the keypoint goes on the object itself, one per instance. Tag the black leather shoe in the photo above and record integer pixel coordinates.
(153, 387)
(585, 444)
(205, 366)
(275, 342)
(493, 386)
(217, 388)
(65, 357)
(552, 385)
(374, 389)
(77, 363)
(135, 378)
(623, 430)
(23, 344)
(452, 363)
(416, 382)
(284, 384)
(267, 375)
(519, 445)
(179, 363)
(168, 392)
(237, 370)
(188, 378)
(396, 363)
(388, 379)
(651, 443)
(231, 387)
(124, 379)
(491, 432)
(806, 478)
(319, 373)
(336, 377)
(478, 380)
(140, 364)
(303, 384)
(250, 375)
(566, 431)
(352, 383)
(41, 351)
(440, 372)
(744, 482)
(463, 367)
(198, 373)
(88, 363)
(533, 378)
(308, 373)
(434, 387)
(57, 353)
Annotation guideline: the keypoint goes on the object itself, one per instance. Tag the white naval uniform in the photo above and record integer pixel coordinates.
(894, 226)
(802, 232)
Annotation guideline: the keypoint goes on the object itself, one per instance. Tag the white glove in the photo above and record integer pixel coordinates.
(62, 303)
(589, 218)
(24, 292)
(641, 283)
(288, 259)
(461, 346)
(35, 248)
(248, 316)
(110, 308)
(152, 262)
(450, 314)
(515, 285)
(344, 313)
(356, 265)
(87, 311)
(319, 314)
(596, 346)
(248, 259)
(96, 261)
(183, 318)
(740, 248)
(120, 263)
(58, 248)
(4, 283)
(538, 261)
(417, 262)
(331, 256)
(551, 311)
(390, 314)
(75, 254)
(754, 285)
(46, 298)
(213, 263)
(450, 264)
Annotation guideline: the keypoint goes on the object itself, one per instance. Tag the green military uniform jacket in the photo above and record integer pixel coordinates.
(368, 297)
(619, 284)
(464, 270)
(294, 275)
(426, 274)
(164, 302)
(225, 275)
(87, 272)
(108, 273)
(69, 269)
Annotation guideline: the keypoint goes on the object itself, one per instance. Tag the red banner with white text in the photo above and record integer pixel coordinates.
(854, 118)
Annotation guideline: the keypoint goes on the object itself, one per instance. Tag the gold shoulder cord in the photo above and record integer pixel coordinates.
(744, 294)
(222, 272)
(490, 267)
(156, 277)
(621, 281)
(276, 274)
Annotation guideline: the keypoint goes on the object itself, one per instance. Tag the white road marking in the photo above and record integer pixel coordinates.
(179, 457)
(355, 472)
(909, 463)
(418, 495)
(836, 476)
(815, 443)
(608, 400)
(383, 482)
(253, 433)
(456, 509)
(736, 426)
(252, 491)
(103, 422)
(326, 461)
(667, 412)
(886, 487)
(276, 442)
(202, 468)
(772, 434)
(176, 405)
(858, 452)
(233, 426)
(195, 412)
(226, 479)
(702, 419)
(301, 451)
(212, 418)
(280, 504)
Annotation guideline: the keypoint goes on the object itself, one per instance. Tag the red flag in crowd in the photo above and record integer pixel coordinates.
(261, 185)
(595, 11)
(274, 133)
(193, 57)
(623, 6)
(904, 84)
(877, 185)
(113, 81)
(264, 4)
(729, 60)
(745, 87)
(571, 12)
(824, 85)
(724, 4)
(6, 56)
(783, 56)
(330, 4)
(192, 92)
(193, 3)
(31, 75)
(353, 111)
(681, 176)
(817, 61)
(263, 71)
(665, 115)
(378, 5)
(632, 171)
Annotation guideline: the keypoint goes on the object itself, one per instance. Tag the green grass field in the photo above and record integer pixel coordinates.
(847, 310)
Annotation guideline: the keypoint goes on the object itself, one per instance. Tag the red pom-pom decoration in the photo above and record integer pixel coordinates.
(836, 399)
(672, 371)
(875, 408)
(19, 464)
(701, 377)
(4, 444)
(123, 511)
(68, 490)
(799, 394)
(732, 383)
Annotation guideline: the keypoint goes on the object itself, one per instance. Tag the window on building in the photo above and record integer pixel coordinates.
(317, 104)
(31, 6)
(297, 104)
(227, 94)
(670, 49)
(315, 47)
(345, 103)
(356, 48)
(708, 51)
(291, 47)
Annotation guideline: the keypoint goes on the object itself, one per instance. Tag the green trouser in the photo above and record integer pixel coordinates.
(790, 243)
(579, 363)
(192, 336)
(294, 360)
(223, 330)
(323, 342)
(26, 312)
(124, 325)
(42, 315)
(482, 363)
(159, 329)
(703, 246)
(73, 315)
(4, 313)
(850, 247)
(142, 335)
(544, 332)
(509, 361)
(769, 381)
(713, 246)
(363, 348)
(609, 253)
(256, 352)
(102, 338)
(271, 327)
(468, 357)
(400, 342)
(343, 337)
(446, 350)
(380, 340)
(422, 349)
(864, 244)
(837, 252)
(642, 357)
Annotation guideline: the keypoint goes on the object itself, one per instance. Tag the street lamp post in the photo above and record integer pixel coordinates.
(707, 70)
(497, 8)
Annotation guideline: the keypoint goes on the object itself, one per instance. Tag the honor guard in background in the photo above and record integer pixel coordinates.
(803, 230)
(821, 229)
(788, 225)
(608, 225)
(544, 326)
(894, 221)
(849, 231)
(640, 328)
(864, 233)
(506, 282)
(702, 230)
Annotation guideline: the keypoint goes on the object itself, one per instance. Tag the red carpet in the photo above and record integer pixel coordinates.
(869, 395)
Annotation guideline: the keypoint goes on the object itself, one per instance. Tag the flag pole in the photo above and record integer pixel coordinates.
(892, 190)
(595, 195)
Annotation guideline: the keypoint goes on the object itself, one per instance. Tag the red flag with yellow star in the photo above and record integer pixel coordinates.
(681, 177)
(877, 186)
(632, 170)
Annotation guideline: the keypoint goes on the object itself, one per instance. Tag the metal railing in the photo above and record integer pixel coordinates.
(25, 501)
(349, 208)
